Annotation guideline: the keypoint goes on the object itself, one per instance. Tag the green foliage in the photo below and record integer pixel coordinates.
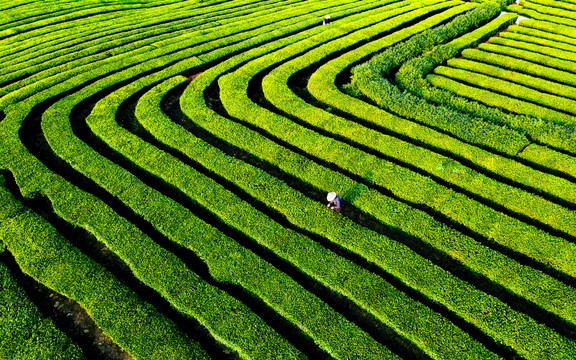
(227, 261)
(400, 261)
(45, 255)
(549, 27)
(388, 61)
(471, 129)
(549, 132)
(180, 47)
(566, 5)
(515, 64)
(104, 231)
(528, 98)
(322, 86)
(518, 78)
(550, 61)
(133, 46)
(277, 92)
(389, 255)
(58, 55)
(541, 154)
(501, 3)
(537, 37)
(534, 48)
(24, 332)
(549, 10)
(407, 317)
(411, 76)
(370, 79)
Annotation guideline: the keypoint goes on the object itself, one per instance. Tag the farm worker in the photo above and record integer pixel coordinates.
(335, 203)
(327, 20)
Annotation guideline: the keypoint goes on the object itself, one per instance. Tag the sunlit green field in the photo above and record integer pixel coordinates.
(165, 165)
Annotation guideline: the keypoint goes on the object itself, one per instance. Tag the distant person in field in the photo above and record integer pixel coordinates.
(335, 203)
(327, 20)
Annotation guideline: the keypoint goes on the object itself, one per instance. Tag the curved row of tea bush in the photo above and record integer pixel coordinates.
(547, 132)
(179, 45)
(562, 16)
(529, 101)
(515, 234)
(247, 339)
(548, 40)
(322, 86)
(116, 40)
(514, 77)
(277, 92)
(368, 291)
(24, 332)
(267, 150)
(42, 253)
(261, 237)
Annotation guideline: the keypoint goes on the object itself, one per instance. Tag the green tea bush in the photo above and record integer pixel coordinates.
(24, 332)
(370, 292)
(45, 255)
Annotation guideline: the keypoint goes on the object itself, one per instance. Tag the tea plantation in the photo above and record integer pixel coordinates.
(164, 166)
